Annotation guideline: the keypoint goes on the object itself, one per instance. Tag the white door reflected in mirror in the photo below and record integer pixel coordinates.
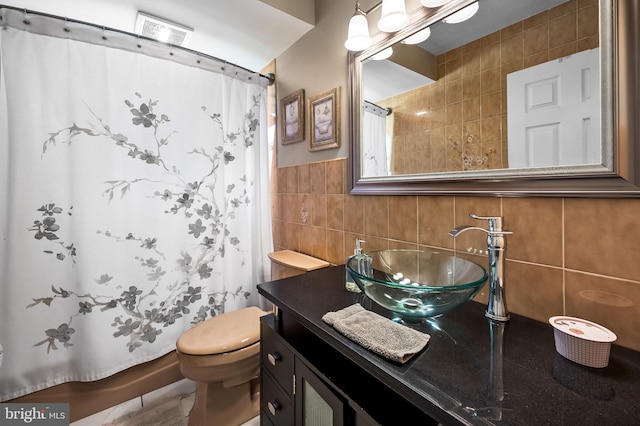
(554, 112)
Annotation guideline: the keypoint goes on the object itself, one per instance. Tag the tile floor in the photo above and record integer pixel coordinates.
(183, 387)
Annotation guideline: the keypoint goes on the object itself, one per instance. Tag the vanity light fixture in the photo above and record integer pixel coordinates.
(418, 37)
(462, 15)
(393, 17)
(358, 37)
(433, 3)
(383, 54)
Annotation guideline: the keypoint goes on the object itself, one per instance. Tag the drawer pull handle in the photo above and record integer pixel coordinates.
(274, 357)
(273, 407)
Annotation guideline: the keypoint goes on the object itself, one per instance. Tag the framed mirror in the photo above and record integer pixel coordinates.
(526, 98)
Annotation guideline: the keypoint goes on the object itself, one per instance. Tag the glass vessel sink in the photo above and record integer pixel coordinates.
(419, 284)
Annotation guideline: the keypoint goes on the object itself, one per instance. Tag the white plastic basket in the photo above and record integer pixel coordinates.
(582, 341)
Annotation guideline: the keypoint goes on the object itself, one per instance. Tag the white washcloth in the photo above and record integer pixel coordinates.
(376, 333)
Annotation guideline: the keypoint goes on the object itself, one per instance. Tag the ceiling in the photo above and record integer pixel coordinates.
(249, 33)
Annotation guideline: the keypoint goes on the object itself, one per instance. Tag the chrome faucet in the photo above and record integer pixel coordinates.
(496, 245)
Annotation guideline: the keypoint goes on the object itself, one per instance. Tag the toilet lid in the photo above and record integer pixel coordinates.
(223, 333)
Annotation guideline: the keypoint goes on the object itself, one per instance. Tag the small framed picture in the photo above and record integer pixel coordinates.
(324, 120)
(292, 122)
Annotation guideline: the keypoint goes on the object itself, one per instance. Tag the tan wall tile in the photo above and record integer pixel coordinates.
(335, 211)
(537, 229)
(490, 40)
(336, 176)
(536, 40)
(539, 19)
(512, 48)
(435, 220)
(279, 235)
(612, 303)
(490, 81)
(588, 21)
(602, 236)
(277, 212)
(376, 216)
(403, 218)
(511, 31)
(318, 211)
(453, 91)
(318, 178)
(471, 86)
(492, 129)
(471, 109)
(490, 56)
(453, 68)
(291, 180)
(282, 180)
(293, 207)
(293, 236)
(533, 291)
(562, 30)
(354, 214)
(335, 247)
(304, 179)
(563, 9)
(471, 59)
(453, 113)
(313, 241)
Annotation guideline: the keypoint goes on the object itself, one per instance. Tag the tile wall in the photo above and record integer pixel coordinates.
(567, 256)
(459, 122)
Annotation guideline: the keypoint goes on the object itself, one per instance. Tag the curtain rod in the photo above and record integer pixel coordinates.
(270, 77)
(387, 110)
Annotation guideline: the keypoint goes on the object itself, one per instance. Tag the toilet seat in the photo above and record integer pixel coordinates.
(229, 332)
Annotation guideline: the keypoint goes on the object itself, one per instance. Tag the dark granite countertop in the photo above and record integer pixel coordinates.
(472, 370)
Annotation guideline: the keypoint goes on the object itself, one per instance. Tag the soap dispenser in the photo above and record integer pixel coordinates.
(362, 264)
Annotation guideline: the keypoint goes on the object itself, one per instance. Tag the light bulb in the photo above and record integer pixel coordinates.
(383, 54)
(462, 15)
(418, 37)
(358, 36)
(394, 16)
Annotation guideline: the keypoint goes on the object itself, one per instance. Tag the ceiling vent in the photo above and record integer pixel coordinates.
(162, 30)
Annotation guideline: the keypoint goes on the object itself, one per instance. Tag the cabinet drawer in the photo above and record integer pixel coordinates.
(276, 357)
(274, 403)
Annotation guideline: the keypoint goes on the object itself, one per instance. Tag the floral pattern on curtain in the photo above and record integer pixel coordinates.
(132, 206)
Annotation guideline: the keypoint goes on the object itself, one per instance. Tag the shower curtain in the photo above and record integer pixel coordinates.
(133, 198)
(374, 141)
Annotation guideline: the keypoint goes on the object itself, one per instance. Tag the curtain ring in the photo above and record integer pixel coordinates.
(66, 28)
(104, 37)
(139, 45)
(26, 20)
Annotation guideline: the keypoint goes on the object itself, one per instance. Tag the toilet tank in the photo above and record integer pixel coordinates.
(287, 263)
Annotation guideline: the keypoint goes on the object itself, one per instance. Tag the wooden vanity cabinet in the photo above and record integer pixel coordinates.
(306, 382)
(292, 392)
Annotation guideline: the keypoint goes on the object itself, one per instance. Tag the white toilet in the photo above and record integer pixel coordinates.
(222, 355)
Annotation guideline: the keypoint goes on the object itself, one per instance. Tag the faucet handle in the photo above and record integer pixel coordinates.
(495, 224)
(473, 216)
